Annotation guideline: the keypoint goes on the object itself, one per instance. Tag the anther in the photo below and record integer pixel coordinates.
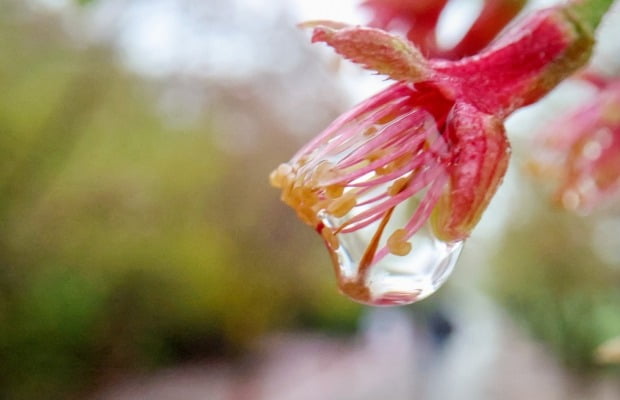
(334, 191)
(280, 176)
(397, 243)
(398, 186)
(342, 205)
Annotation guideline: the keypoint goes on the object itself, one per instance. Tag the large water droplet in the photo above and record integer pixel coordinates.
(391, 280)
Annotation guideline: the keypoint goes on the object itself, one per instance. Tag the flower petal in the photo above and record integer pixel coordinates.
(418, 18)
(376, 50)
(479, 158)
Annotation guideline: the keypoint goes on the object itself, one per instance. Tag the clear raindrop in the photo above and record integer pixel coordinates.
(392, 279)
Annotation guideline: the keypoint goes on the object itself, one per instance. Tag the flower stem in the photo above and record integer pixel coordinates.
(590, 12)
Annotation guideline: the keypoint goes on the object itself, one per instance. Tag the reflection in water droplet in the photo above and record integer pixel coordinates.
(392, 279)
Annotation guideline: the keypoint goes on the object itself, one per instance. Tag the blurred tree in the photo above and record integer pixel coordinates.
(549, 277)
(128, 241)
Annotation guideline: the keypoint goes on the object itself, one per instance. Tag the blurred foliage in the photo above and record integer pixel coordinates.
(127, 243)
(548, 276)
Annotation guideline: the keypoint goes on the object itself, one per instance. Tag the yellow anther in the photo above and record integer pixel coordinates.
(398, 186)
(386, 118)
(398, 163)
(342, 205)
(361, 164)
(370, 131)
(323, 168)
(397, 243)
(375, 155)
(297, 193)
(323, 172)
(309, 196)
(334, 191)
(402, 161)
(302, 161)
(384, 170)
(287, 195)
(307, 216)
(281, 175)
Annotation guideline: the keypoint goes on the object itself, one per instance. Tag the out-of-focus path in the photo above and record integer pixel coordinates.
(486, 358)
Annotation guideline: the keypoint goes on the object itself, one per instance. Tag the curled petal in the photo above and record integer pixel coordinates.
(479, 158)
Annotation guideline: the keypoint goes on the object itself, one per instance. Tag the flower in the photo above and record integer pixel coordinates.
(395, 156)
(420, 19)
(395, 185)
(581, 150)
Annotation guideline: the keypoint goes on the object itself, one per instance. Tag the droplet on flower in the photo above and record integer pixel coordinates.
(370, 196)
(395, 279)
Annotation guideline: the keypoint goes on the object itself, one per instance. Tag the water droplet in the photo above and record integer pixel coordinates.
(392, 279)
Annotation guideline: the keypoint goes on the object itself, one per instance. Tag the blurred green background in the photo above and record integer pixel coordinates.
(128, 240)
(138, 230)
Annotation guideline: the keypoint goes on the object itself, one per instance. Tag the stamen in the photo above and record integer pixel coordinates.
(369, 255)
(307, 215)
(397, 243)
(421, 181)
(281, 175)
(347, 124)
(398, 186)
(422, 212)
(342, 205)
(416, 163)
(397, 164)
(334, 191)
(370, 131)
(373, 166)
(323, 172)
(410, 129)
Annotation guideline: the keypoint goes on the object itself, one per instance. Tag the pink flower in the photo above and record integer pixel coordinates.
(396, 184)
(419, 19)
(581, 150)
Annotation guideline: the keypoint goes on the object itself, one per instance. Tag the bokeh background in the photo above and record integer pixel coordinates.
(143, 254)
